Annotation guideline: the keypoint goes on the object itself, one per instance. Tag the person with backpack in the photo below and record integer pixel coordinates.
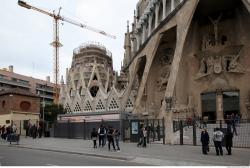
(94, 135)
(218, 137)
(117, 137)
(101, 133)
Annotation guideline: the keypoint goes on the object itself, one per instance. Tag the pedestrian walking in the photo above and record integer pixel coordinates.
(204, 141)
(228, 121)
(218, 136)
(40, 130)
(229, 141)
(105, 136)
(140, 143)
(9, 131)
(237, 120)
(158, 130)
(144, 137)
(117, 138)
(3, 129)
(233, 121)
(14, 128)
(94, 135)
(101, 133)
(34, 131)
(110, 136)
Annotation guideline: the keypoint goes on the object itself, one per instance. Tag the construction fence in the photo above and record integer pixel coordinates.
(129, 129)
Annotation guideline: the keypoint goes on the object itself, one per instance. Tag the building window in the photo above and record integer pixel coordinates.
(24, 105)
(93, 91)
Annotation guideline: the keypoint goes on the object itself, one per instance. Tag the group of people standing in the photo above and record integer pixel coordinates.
(5, 132)
(106, 133)
(34, 130)
(218, 137)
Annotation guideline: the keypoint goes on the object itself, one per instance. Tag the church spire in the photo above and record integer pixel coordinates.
(127, 46)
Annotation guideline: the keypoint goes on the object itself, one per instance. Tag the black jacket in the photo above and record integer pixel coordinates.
(94, 134)
(204, 137)
(229, 139)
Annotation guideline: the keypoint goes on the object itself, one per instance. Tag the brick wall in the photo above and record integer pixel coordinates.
(20, 103)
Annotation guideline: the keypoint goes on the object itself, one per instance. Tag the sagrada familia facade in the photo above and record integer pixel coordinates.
(182, 58)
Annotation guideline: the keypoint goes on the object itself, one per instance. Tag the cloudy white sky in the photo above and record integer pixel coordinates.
(25, 35)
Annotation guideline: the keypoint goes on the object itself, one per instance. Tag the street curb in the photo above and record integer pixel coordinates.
(77, 153)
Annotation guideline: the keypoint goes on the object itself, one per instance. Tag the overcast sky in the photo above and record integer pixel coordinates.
(25, 35)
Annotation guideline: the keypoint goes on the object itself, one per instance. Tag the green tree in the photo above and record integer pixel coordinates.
(51, 111)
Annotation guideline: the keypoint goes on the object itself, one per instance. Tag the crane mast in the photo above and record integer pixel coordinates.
(56, 43)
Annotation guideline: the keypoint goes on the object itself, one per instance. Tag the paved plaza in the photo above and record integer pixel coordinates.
(154, 154)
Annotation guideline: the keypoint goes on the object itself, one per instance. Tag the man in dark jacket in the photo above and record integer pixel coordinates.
(204, 141)
(229, 141)
(140, 143)
(101, 134)
(110, 136)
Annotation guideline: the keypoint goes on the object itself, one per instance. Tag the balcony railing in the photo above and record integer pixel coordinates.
(15, 83)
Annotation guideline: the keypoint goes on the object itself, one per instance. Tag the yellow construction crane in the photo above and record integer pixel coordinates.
(56, 44)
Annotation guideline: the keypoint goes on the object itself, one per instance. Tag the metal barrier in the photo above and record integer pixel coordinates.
(82, 130)
(155, 130)
(190, 133)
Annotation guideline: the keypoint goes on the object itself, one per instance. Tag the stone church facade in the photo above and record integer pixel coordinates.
(188, 58)
(182, 58)
(92, 88)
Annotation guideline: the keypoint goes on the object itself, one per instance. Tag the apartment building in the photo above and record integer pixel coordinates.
(10, 80)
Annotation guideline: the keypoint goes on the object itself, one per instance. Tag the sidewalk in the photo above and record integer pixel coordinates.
(154, 154)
